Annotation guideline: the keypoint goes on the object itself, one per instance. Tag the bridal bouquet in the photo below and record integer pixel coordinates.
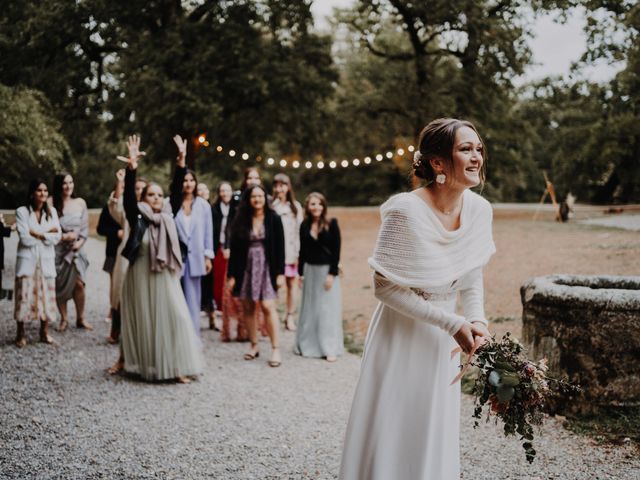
(514, 387)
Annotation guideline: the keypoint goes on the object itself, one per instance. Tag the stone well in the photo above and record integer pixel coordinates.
(588, 327)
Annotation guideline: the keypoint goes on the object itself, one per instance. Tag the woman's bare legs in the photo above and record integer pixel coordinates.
(79, 300)
(290, 323)
(249, 312)
(272, 324)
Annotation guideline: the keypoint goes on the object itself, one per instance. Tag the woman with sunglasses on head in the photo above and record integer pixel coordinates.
(195, 231)
(35, 288)
(290, 211)
(158, 341)
(256, 266)
(71, 259)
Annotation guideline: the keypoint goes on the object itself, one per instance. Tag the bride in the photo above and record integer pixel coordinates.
(432, 245)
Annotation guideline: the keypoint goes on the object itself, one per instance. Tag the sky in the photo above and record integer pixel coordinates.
(554, 47)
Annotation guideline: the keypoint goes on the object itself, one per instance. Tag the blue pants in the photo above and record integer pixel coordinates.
(191, 286)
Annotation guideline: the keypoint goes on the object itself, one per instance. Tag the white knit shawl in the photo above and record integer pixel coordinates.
(415, 250)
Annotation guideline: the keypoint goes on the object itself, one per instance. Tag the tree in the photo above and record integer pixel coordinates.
(31, 144)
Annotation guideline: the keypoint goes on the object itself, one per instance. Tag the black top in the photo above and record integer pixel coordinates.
(4, 232)
(137, 222)
(175, 190)
(216, 213)
(273, 249)
(108, 227)
(325, 250)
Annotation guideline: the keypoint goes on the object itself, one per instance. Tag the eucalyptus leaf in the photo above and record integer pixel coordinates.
(494, 378)
(505, 393)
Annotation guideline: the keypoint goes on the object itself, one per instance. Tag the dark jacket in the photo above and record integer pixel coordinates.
(108, 227)
(216, 213)
(325, 250)
(137, 223)
(273, 248)
(4, 232)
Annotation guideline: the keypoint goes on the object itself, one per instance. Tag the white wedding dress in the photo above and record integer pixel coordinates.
(405, 417)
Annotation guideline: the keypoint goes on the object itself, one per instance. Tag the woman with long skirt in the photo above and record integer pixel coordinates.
(207, 304)
(195, 231)
(109, 228)
(35, 288)
(71, 260)
(432, 245)
(290, 211)
(121, 264)
(256, 266)
(320, 323)
(158, 339)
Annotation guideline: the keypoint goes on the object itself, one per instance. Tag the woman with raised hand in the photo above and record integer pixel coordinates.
(432, 245)
(195, 231)
(35, 288)
(158, 340)
(257, 265)
(116, 210)
(320, 322)
(290, 211)
(71, 259)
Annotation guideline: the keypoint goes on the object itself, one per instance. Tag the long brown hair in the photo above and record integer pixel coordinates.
(58, 182)
(323, 223)
(291, 197)
(437, 140)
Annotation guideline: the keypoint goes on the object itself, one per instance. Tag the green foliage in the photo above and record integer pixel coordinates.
(254, 76)
(31, 145)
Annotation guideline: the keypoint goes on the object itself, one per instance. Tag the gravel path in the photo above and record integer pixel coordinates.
(63, 417)
(625, 222)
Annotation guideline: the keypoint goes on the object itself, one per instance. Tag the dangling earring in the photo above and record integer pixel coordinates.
(441, 178)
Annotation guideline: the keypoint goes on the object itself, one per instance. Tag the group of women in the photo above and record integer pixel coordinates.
(51, 264)
(169, 259)
(432, 246)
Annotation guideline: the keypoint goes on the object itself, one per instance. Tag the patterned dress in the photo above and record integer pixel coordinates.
(256, 284)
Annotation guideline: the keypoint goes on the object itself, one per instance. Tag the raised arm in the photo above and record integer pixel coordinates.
(175, 190)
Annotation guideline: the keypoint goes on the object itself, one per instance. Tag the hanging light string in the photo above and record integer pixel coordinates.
(321, 164)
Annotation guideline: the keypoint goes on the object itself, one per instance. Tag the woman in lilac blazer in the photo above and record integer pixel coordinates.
(195, 231)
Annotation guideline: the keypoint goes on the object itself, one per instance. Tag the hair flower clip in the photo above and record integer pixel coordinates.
(417, 157)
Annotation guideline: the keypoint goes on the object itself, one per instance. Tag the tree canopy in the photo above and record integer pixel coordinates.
(254, 75)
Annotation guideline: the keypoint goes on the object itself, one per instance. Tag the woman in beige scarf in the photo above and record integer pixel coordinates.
(158, 340)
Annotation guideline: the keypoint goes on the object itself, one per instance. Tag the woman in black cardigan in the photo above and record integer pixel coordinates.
(319, 331)
(256, 265)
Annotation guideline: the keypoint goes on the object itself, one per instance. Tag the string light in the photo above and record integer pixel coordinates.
(283, 163)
